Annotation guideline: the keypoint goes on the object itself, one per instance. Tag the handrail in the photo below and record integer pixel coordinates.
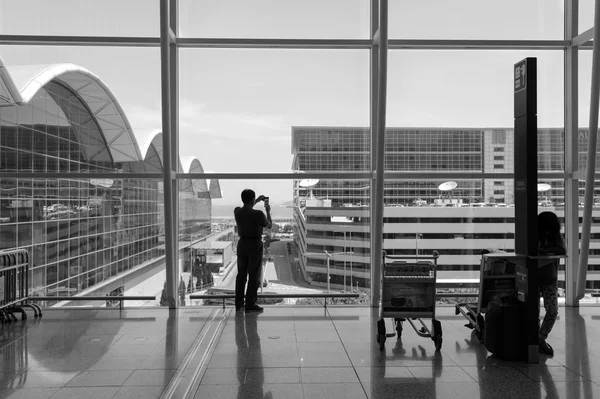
(323, 295)
(94, 298)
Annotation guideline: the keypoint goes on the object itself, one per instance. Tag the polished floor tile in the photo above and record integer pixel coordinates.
(97, 378)
(149, 377)
(152, 392)
(334, 391)
(86, 393)
(319, 375)
(285, 352)
(27, 393)
(38, 379)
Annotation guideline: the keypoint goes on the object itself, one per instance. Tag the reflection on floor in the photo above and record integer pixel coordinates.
(285, 352)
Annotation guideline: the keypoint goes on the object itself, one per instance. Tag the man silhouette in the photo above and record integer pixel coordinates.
(250, 223)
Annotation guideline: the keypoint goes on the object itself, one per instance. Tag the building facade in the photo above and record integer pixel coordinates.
(80, 232)
(460, 150)
(333, 215)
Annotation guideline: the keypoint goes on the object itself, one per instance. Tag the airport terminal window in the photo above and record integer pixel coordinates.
(76, 219)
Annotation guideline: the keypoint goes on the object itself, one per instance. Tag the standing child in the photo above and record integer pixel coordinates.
(550, 243)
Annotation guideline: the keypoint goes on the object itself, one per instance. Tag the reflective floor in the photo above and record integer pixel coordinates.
(285, 352)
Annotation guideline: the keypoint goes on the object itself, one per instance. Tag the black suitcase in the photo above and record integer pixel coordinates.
(504, 333)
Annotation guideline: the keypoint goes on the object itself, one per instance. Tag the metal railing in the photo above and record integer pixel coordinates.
(121, 299)
(323, 295)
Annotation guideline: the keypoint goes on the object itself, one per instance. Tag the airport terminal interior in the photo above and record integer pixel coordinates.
(426, 137)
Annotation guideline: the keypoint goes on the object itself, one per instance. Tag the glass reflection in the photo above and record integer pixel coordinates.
(250, 372)
(81, 232)
(394, 379)
(577, 354)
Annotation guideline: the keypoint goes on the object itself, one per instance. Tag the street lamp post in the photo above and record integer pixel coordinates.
(351, 260)
(328, 256)
(344, 261)
(417, 244)
(328, 277)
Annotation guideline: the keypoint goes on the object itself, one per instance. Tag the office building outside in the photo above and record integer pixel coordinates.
(333, 215)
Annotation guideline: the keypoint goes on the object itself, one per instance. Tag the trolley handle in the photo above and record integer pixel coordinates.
(435, 255)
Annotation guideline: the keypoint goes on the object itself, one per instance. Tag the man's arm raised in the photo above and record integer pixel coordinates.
(269, 221)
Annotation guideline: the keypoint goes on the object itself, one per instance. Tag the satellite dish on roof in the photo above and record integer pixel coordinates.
(541, 187)
(447, 186)
(108, 183)
(309, 184)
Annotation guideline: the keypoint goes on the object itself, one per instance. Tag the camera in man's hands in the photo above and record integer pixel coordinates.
(262, 198)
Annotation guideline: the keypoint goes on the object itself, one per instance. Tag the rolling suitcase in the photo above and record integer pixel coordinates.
(504, 333)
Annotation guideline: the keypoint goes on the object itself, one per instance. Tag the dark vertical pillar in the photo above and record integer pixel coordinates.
(526, 241)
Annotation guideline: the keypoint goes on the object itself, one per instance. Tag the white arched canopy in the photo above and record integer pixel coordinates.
(186, 164)
(19, 84)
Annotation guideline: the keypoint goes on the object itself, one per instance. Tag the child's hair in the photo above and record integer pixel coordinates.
(548, 221)
(549, 226)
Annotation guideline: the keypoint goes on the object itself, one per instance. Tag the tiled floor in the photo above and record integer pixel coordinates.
(285, 352)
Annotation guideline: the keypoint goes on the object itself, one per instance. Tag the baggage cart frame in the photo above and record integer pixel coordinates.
(14, 285)
(474, 312)
(408, 293)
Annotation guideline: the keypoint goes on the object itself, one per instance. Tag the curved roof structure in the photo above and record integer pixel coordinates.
(155, 140)
(187, 164)
(19, 84)
(215, 189)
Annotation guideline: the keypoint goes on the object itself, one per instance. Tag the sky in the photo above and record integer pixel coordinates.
(237, 106)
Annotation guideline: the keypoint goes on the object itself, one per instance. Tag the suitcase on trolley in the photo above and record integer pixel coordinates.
(504, 333)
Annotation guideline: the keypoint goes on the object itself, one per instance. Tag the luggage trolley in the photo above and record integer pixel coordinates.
(408, 292)
(14, 285)
(501, 275)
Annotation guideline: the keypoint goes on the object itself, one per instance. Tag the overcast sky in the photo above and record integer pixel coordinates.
(237, 107)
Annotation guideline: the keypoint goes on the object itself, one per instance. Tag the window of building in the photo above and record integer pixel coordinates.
(499, 137)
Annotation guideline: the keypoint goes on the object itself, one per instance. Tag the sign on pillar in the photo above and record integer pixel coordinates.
(525, 155)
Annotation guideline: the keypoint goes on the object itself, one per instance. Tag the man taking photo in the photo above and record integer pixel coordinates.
(250, 223)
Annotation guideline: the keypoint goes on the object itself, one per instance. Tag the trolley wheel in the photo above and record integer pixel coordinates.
(437, 334)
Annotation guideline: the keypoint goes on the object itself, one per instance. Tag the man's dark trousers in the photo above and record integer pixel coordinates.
(249, 262)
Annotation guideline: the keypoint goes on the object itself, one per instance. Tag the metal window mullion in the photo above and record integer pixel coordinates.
(571, 154)
(275, 43)
(79, 176)
(404, 175)
(168, 172)
(591, 160)
(377, 201)
(458, 44)
(241, 43)
(373, 90)
(101, 41)
(174, 135)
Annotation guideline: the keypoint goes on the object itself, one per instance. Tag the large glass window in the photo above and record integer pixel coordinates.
(247, 111)
(238, 107)
(275, 19)
(76, 18)
(473, 19)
